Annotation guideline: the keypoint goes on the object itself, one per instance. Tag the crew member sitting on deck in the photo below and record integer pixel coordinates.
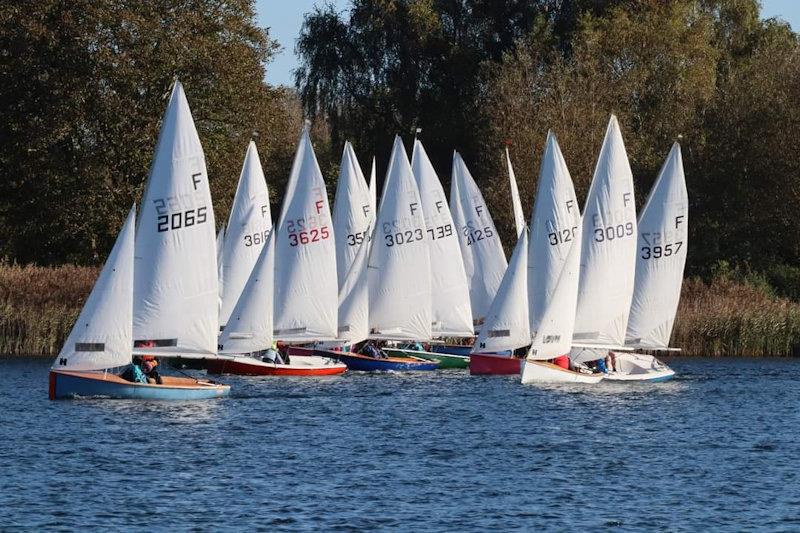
(149, 367)
(373, 351)
(133, 372)
(271, 355)
(611, 362)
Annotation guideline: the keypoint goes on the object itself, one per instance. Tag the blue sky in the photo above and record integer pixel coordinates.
(285, 17)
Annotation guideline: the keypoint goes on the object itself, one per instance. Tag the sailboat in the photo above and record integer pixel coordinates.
(553, 271)
(249, 224)
(516, 204)
(660, 260)
(608, 254)
(291, 292)
(101, 341)
(451, 312)
(507, 325)
(481, 248)
(398, 271)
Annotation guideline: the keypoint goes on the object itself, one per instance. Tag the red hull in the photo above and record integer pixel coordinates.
(482, 365)
(243, 368)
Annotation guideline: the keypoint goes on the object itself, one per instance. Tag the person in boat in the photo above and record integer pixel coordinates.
(150, 369)
(133, 372)
(417, 347)
(611, 362)
(271, 355)
(370, 350)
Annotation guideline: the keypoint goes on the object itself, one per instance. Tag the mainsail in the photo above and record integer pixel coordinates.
(507, 325)
(399, 267)
(249, 328)
(101, 337)
(176, 281)
(661, 256)
(608, 252)
(516, 204)
(306, 294)
(452, 316)
(352, 212)
(555, 227)
(249, 224)
(481, 249)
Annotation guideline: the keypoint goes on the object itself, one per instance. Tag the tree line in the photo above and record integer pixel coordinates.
(83, 85)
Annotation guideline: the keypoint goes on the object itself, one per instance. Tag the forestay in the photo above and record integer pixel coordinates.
(661, 256)
(249, 328)
(555, 226)
(399, 267)
(608, 247)
(101, 337)
(220, 246)
(306, 294)
(507, 324)
(352, 212)
(553, 336)
(354, 299)
(373, 188)
(452, 316)
(481, 248)
(249, 224)
(176, 281)
(516, 204)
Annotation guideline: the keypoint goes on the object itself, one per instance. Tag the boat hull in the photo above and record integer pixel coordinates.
(544, 372)
(87, 384)
(493, 365)
(299, 365)
(640, 367)
(365, 363)
(445, 360)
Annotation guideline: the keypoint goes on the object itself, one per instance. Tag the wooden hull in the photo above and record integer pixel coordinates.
(544, 372)
(445, 360)
(88, 384)
(493, 365)
(365, 363)
(300, 365)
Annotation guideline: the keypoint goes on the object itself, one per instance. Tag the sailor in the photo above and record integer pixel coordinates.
(150, 370)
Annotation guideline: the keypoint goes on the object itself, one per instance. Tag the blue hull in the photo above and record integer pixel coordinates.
(89, 384)
(368, 364)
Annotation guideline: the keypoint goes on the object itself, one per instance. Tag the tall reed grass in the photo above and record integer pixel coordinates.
(725, 317)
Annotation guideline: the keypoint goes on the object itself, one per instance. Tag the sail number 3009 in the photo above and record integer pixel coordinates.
(613, 232)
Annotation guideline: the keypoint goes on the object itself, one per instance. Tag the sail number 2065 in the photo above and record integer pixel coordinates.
(182, 219)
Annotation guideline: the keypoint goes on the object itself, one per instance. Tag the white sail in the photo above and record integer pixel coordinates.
(373, 188)
(452, 316)
(249, 328)
(661, 257)
(176, 292)
(399, 267)
(516, 204)
(481, 249)
(101, 337)
(553, 336)
(220, 246)
(354, 299)
(352, 212)
(608, 252)
(555, 225)
(306, 294)
(507, 326)
(249, 225)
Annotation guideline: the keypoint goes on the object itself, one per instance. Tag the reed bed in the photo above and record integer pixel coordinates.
(38, 306)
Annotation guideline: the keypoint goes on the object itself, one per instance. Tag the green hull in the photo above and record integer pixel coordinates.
(445, 360)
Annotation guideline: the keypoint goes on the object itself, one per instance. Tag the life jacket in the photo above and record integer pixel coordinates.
(138, 375)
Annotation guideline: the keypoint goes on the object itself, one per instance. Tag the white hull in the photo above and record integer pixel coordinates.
(543, 372)
(639, 367)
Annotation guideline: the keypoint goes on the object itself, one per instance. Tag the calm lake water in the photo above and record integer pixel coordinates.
(714, 449)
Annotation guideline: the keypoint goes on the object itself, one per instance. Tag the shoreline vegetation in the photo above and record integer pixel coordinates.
(725, 316)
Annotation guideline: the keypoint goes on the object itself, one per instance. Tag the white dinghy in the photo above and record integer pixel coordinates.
(101, 342)
(249, 224)
(291, 292)
(608, 254)
(553, 273)
(661, 257)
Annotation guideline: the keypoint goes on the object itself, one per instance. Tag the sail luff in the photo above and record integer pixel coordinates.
(516, 203)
